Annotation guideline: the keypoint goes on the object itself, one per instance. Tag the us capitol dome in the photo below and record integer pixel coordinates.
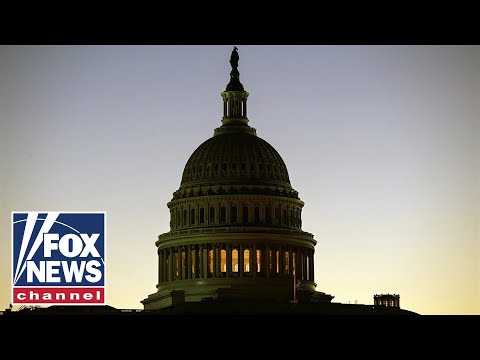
(235, 221)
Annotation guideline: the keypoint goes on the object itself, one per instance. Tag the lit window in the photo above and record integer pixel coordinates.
(210, 261)
(223, 261)
(246, 260)
(286, 262)
(259, 260)
(235, 260)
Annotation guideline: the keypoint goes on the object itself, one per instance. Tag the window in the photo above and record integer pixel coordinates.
(210, 261)
(223, 261)
(257, 215)
(202, 215)
(192, 217)
(235, 260)
(246, 260)
(212, 215)
(287, 269)
(175, 263)
(245, 214)
(234, 214)
(185, 217)
(259, 260)
(268, 217)
(193, 259)
(223, 214)
(277, 258)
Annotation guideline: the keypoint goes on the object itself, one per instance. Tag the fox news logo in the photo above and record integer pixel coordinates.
(58, 258)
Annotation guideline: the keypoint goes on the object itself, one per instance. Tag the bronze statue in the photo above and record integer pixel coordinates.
(234, 58)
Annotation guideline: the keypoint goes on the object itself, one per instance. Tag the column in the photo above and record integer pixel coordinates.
(202, 262)
(304, 263)
(181, 271)
(267, 261)
(159, 266)
(274, 261)
(281, 259)
(240, 260)
(298, 262)
(189, 262)
(194, 262)
(254, 262)
(312, 270)
(290, 263)
(216, 260)
(229, 260)
(170, 263)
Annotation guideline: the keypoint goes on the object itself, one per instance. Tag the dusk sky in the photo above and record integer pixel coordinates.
(381, 142)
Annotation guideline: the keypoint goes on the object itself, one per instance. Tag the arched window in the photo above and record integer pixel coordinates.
(234, 214)
(278, 219)
(268, 217)
(284, 220)
(223, 215)
(235, 260)
(202, 215)
(185, 217)
(223, 261)
(246, 260)
(179, 218)
(245, 214)
(212, 215)
(192, 217)
(257, 215)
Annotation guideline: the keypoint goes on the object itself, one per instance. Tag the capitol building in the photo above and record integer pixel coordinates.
(236, 239)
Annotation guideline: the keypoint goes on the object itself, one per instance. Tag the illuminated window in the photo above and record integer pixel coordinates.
(193, 254)
(202, 215)
(259, 260)
(223, 261)
(210, 261)
(277, 257)
(235, 260)
(270, 260)
(234, 214)
(287, 269)
(246, 260)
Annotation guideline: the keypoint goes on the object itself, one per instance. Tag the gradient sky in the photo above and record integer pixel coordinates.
(381, 142)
